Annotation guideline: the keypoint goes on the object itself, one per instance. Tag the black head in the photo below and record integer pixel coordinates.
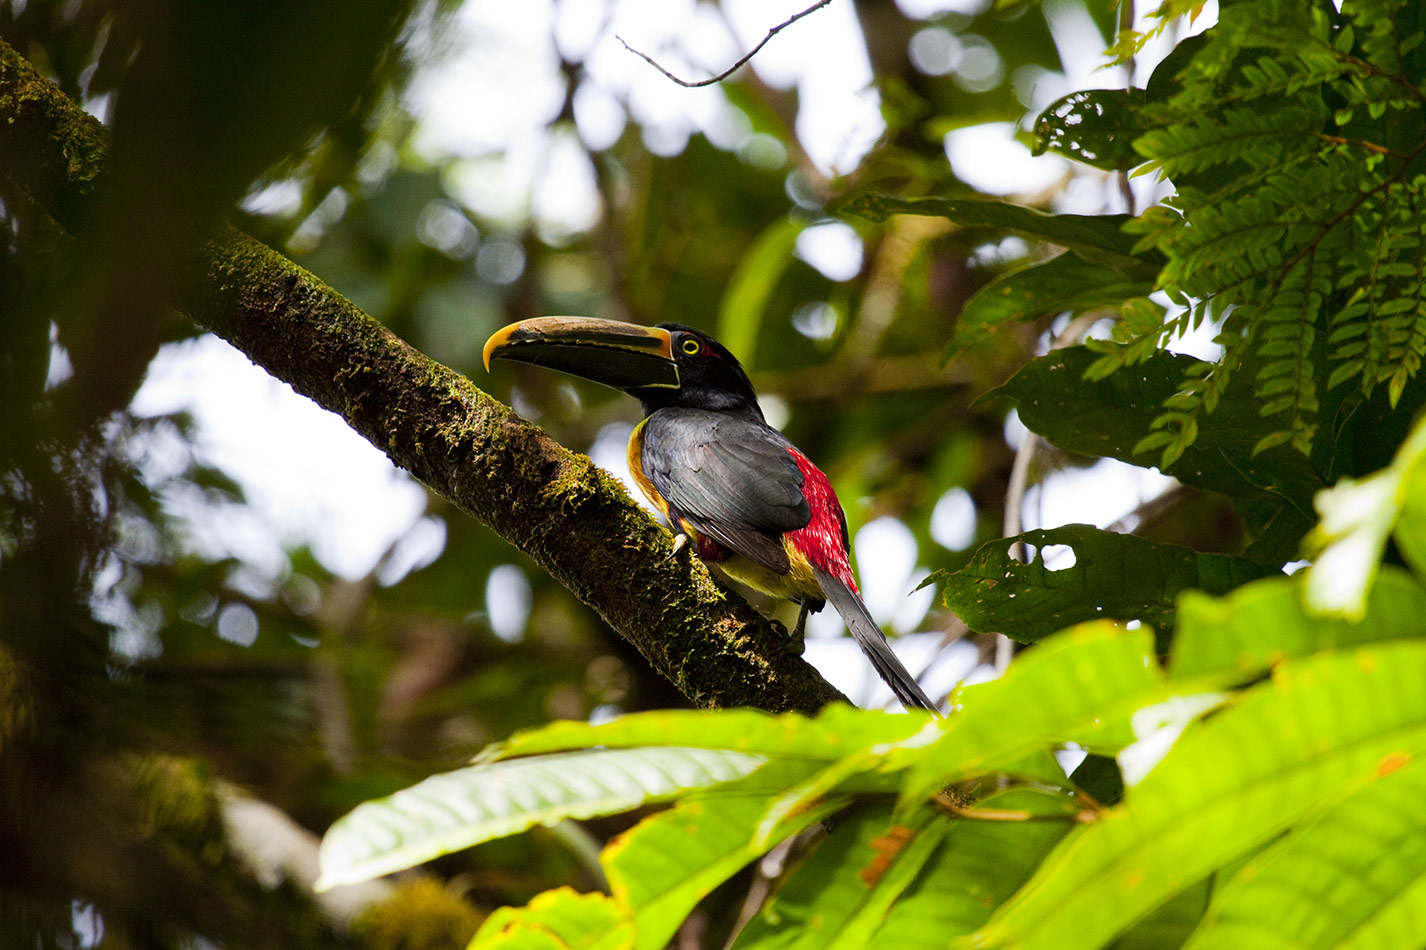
(710, 376)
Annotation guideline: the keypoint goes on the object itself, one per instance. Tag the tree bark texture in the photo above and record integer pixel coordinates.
(570, 517)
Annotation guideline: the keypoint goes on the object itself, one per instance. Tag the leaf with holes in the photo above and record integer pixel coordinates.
(458, 809)
(1094, 126)
(1109, 417)
(1112, 575)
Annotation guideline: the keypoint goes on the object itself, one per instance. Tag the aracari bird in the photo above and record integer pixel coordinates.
(753, 505)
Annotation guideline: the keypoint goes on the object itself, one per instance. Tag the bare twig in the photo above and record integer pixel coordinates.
(1020, 479)
(736, 66)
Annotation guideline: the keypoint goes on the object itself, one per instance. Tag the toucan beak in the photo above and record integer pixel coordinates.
(622, 355)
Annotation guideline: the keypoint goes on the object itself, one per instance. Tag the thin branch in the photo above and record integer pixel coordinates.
(1361, 143)
(737, 65)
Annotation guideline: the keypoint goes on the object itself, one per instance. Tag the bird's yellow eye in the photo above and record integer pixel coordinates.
(691, 346)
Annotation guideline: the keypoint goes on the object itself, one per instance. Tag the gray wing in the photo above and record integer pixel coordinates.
(731, 479)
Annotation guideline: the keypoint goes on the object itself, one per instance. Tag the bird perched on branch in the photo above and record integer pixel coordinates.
(754, 507)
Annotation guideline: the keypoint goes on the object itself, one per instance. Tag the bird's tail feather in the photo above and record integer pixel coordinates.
(873, 643)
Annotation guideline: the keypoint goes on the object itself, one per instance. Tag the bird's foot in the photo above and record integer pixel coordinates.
(791, 642)
(800, 631)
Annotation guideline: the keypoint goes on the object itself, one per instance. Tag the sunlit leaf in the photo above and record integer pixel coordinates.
(837, 730)
(1267, 621)
(457, 809)
(979, 864)
(745, 299)
(560, 919)
(1368, 853)
(840, 893)
(1084, 686)
(1320, 730)
(1358, 515)
(663, 866)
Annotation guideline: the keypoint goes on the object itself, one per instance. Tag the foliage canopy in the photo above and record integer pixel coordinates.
(1241, 742)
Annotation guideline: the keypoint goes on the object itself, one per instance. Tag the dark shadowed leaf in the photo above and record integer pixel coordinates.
(1112, 575)
(1064, 283)
(1109, 416)
(1096, 237)
(1094, 126)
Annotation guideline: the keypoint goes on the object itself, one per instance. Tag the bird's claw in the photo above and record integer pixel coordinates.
(679, 540)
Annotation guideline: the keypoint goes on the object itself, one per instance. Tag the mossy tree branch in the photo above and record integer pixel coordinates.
(570, 517)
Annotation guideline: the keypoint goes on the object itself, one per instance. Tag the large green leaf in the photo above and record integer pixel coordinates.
(1113, 575)
(662, 867)
(1096, 237)
(978, 866)
(1169, 924)
(560, 919)
(1355, 878)
(840, 894)
(1319, 731)
(1065, 282)
(457, 809)
(1084, 685)
(837, 730)
(1110, 416)
(1265, 622)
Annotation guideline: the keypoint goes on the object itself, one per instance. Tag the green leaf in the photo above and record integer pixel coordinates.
(978, 866)
(1267, 621)
(1084, 685)
(1369, 853)
(560, 919)
(1094, 126)
(1169, 924)
(1113, 575)
(1066, 282)
(1320, 730)
(841, 893)
(837, 731)
(1358, 515)
(662, 867)
(458, 809)
(1109, 416)
(1096, 237)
